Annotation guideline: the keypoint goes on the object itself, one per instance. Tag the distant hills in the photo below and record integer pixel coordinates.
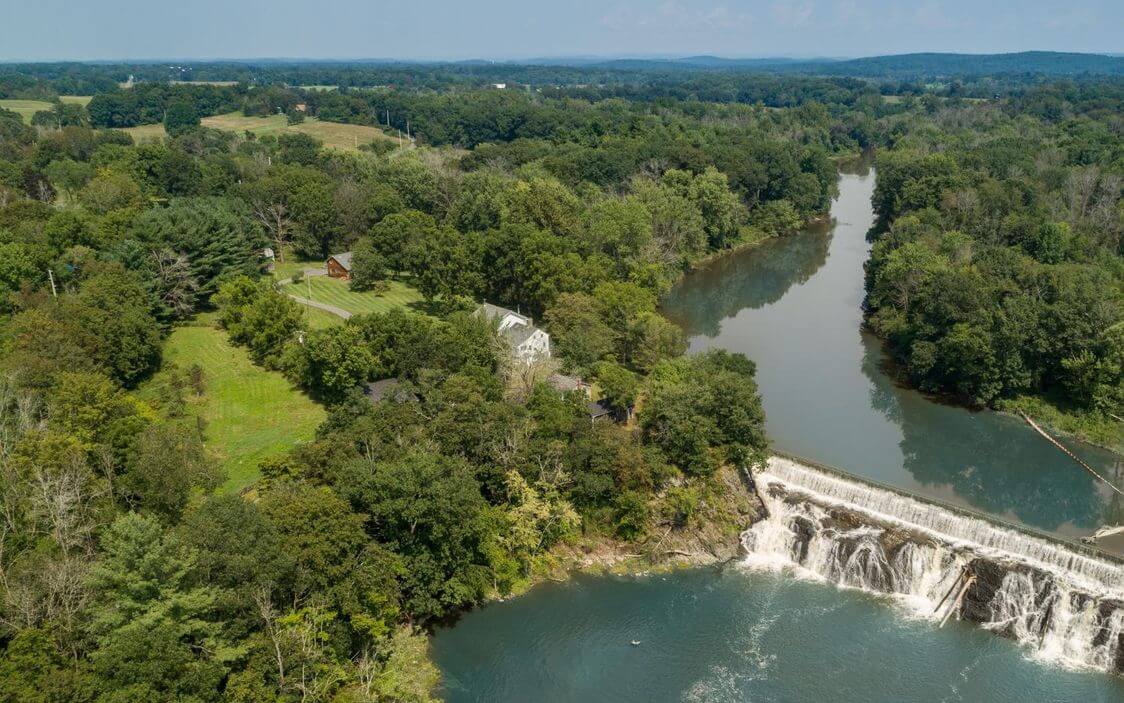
(902, 66)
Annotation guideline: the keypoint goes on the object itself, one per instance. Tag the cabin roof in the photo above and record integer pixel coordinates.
(343, 259)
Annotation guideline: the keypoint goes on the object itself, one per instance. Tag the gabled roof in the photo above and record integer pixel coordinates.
(517, 334)
(343, 259)
(565, 383)
(495, 312)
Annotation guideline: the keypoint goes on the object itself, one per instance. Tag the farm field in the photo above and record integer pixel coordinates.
(146, 132)
(334, 135)
(333, 291)
(250, 413)
(25, 108)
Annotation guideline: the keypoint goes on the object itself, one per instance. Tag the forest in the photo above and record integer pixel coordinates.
(127, 571)
(998, 268)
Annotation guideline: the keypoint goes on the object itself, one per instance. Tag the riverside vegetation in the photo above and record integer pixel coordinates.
(126, 573)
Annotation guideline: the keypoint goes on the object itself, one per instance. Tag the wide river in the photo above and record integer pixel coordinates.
(735, 634)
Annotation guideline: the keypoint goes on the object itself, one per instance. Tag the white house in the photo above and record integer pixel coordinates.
(528, 343)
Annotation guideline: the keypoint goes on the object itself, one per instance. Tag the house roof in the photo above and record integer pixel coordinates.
(565, 383)
(495, 312)
(343, 259)
(517, 334)
(598, 408)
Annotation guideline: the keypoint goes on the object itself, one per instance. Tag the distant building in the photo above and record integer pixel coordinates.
(499, 86)
(339, 265)
(528, 343)
(301, 107)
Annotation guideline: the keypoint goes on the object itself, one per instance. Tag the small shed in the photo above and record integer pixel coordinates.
(598, 409)
(339, 265)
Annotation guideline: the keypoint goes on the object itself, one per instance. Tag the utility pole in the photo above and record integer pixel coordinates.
(51, 276)
(408, 131)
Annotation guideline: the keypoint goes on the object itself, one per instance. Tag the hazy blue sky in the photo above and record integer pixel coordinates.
(106, 29)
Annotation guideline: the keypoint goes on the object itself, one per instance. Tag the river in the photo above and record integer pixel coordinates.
(793, 306)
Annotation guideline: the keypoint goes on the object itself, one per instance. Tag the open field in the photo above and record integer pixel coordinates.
(334, 135)
(146, 132)
(25, 108)
(250, 413)
(225, 83)
(333, 291)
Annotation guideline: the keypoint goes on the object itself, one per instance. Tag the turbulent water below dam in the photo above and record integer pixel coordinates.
(1063, 605)
(844, 585)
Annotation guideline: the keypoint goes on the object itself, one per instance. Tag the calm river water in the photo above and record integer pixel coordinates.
(793, 306)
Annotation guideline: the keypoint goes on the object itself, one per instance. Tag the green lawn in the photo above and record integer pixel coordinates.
(76, 99)
(334, 291)
(250, 413)
(317, 319)
(25, 108)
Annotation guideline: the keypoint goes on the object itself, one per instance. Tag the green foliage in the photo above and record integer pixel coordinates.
(217, 235)
(150, 620)
(180, 117)
(704, 410)
(258, 317)
(166, 463)
(369, 267)
(329, 362)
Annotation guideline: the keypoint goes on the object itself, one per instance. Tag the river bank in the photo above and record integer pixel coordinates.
(711, 535)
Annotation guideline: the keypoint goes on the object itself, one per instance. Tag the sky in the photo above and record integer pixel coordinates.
(519, 29)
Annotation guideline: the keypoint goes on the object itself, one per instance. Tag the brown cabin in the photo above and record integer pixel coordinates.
(339, 265)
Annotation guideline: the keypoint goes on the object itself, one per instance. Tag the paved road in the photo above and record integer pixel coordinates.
(321, 306)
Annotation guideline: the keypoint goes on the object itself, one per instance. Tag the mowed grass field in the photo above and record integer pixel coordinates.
(250, 413)
(317, 319)
(333, 291)
(333, 134)
(27, 108)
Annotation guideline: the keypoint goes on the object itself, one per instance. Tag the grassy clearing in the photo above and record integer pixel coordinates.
(333, 134)
(317, 319)
(76, 99)
(25, 108)
(333, 291)
(250, 413)
(146, 133)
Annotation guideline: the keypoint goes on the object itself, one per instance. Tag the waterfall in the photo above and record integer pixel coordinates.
(1062, 603)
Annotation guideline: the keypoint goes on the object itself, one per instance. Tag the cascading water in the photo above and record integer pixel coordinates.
(1065, 606)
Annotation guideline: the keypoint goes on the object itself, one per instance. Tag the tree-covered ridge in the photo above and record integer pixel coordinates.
(998, 268)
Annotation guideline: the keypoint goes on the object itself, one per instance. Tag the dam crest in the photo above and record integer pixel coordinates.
(1062, 601)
